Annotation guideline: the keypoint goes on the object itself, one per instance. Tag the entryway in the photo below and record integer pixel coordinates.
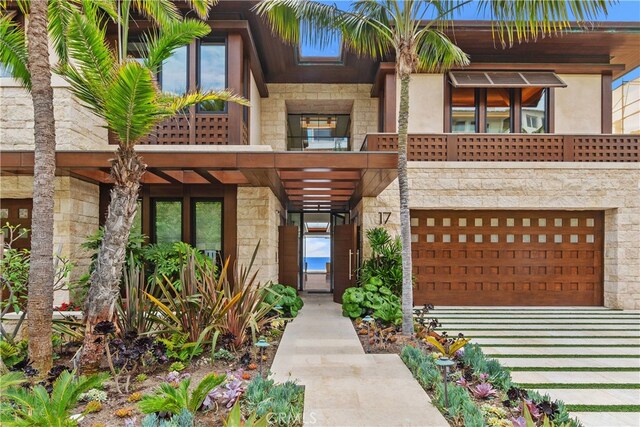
(318, 252)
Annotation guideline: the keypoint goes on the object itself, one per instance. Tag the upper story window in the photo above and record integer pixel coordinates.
(318, 132)
(212, 71)
(501, 102)
(173, 77)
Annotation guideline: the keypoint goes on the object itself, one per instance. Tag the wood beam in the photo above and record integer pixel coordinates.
(206, 175)
(160, 174)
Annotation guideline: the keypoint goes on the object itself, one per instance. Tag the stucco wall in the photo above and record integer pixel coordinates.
(626, 107)
(76, 213)
(578, 106)
(255, 121)
(612, 188)
(76, 127)
(426, 103)
(258, 216)
(364, 113)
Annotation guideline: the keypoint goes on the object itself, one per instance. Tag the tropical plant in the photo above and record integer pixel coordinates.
(36, 407)
(133, 309)
(123, 92)
(166, 260)
(234, 419)
(174, 400)
(372, 298)
(249, 311)
(412, 30)
(284, 296)
(12, 354)
(9, 380)
(385, 262)
(263, 397)
(448, 346)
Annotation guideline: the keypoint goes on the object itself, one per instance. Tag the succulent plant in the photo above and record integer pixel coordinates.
(134, 397)
(227, 393)
(484, 391)
(533, 409)
(124, 413)
(92, 407)
(550, 409)
(462, 382)
(519, 422)
(517, 393)
(141, 377)
(94, 395)
(177, 366)
(104, 328)
(483, 377)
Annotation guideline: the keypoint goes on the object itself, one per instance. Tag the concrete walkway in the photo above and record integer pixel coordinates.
(344, 386)
(599, 351)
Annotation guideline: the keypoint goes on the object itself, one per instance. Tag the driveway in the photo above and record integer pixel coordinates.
(587, 357)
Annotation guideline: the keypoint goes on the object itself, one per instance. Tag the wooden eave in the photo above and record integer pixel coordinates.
(302, 181)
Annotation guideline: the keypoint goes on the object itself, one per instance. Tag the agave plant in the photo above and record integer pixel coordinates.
(175, 400)
(234, 419)
(484, 391)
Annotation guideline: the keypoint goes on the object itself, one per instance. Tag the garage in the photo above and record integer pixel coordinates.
(503, 258)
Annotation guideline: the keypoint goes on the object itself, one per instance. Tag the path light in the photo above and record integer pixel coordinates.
(368, 319)
(262, 344)
(278, 308)
(444, 363)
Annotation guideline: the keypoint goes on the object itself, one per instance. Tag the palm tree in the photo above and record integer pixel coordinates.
(124, 93)
(412, 31)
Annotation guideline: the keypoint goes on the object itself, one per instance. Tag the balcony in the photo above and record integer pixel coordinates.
(511, 147)
(208, 129)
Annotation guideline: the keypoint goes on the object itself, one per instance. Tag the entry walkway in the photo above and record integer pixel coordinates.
(344, 386)
(587, 357)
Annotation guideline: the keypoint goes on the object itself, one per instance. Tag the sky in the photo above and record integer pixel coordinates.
(317, 247)
(624, 10)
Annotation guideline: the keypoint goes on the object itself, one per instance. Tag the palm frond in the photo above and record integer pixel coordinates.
(437, 52)
(88, 47)
(59, 12)
(161, 11)
(174, 104)
(208, 383)
(172, 36)
(368, 30)
(13, 51)
(520, 20)
(131, 109)
(202, 7)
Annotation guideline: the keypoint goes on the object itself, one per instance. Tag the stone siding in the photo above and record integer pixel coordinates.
(76, 127)
(76, 213)
(364, 113)
(612, 188)
(258, 216)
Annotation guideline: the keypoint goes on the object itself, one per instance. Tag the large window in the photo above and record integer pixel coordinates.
(212, 72)
(207, 215)
(318, 132)
(167, 221)
(499, 110)
(173, 75)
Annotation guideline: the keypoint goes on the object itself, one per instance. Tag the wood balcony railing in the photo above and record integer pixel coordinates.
(511, 147)
(207, 129)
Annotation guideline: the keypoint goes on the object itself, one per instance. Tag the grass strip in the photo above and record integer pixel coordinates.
(580, 386)
(570, 369)
(563, 356)
(590, 337)
(556, 345)
(603, 408)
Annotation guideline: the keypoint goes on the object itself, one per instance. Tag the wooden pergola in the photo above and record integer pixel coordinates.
(302, 181)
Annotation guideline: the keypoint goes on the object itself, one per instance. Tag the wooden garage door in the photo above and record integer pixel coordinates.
(508, 257)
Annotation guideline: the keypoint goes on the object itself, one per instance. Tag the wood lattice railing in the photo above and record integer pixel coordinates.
(512, 147)
(208, 129)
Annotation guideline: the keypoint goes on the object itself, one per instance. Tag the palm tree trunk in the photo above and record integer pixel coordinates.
(104, 284)
(41, 274)
(405, 224)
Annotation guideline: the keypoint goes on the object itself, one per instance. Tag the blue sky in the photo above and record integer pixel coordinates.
(624, 10)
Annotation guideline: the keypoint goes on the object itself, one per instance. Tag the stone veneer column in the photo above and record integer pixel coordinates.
(76, 215)
(258, 216)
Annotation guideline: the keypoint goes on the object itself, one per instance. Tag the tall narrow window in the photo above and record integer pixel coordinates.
(212, 72)
(136, 227)
(208, 226)
(498, 111)
(463, 110)
(167, 225)
(534, 110)
(173, 75)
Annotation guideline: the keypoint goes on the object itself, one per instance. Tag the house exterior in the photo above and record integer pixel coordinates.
(520, 194)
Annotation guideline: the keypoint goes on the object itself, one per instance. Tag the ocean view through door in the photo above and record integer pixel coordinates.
(316, 252)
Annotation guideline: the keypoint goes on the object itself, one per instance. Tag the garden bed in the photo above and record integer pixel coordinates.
(480, 391)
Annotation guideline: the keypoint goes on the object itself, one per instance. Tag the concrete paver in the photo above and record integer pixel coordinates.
(344, 386)
(583, 362)
(599, 419)
(576, 377)
(594, 397)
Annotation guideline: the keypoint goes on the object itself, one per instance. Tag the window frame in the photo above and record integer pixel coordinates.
(154, 208)
(187, 71)
(193, 221)
(216, 40)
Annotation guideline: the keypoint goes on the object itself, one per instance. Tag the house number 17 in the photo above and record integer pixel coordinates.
(384, 217)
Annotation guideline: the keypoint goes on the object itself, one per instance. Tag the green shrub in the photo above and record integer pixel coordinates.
(284, 296)
(175, 400)
(385, 262)
(183, 419)
(372, 298)
(283, 401)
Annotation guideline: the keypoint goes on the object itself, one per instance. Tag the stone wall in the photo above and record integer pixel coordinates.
(76, 214)
(364, 112)
(258, 216)
(76, 127)
(612, 188)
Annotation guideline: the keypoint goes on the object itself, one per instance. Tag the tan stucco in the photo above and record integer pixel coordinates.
(578, 106)
(255, 129)
(426, 103)
(626, 107)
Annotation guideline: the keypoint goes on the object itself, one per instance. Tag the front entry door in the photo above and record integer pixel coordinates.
(345, 259)
(288, 250)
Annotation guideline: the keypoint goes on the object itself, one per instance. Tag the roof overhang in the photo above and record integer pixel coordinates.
(302, 181)
(476, 79)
